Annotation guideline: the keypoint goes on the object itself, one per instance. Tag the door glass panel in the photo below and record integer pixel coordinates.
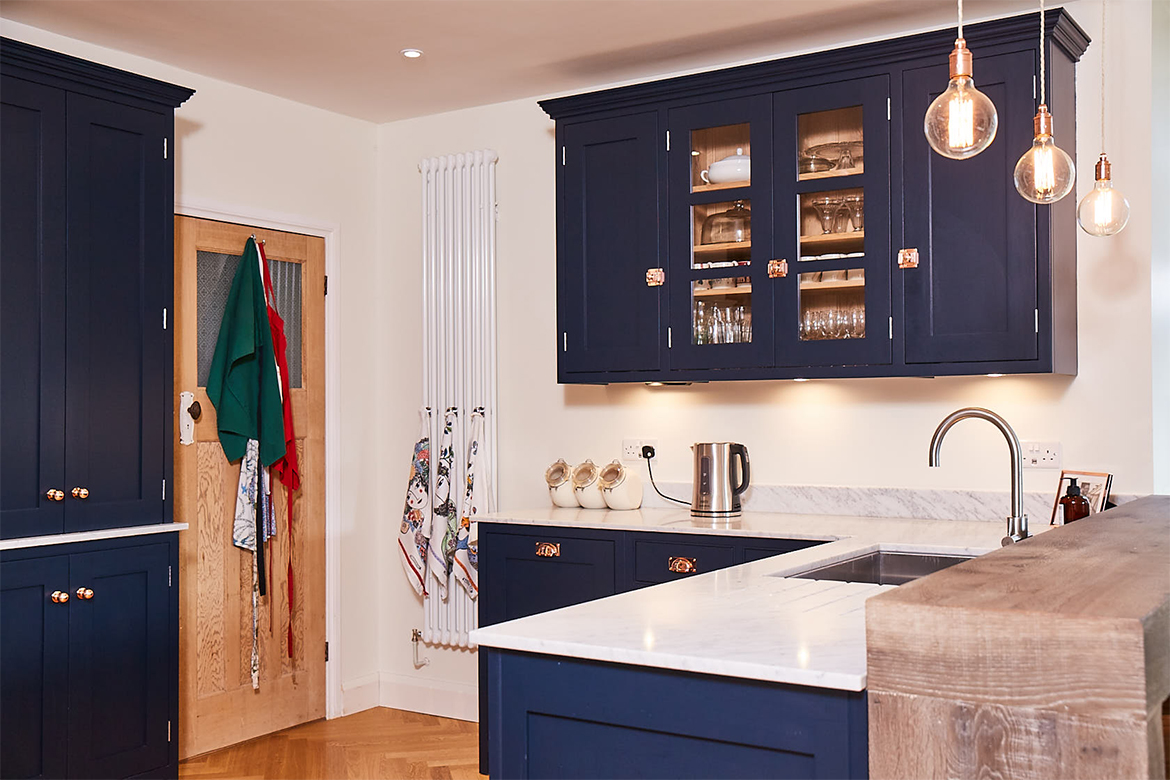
(721, 234)
(832, 224)
(721, 157)
(721, 311)
(832, 305)
(830, 143)
(215, 273)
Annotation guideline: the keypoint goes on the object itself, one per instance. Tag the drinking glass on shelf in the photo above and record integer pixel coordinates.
(826, 207)
(841, 222)
(855, 204)
(857, 315)
(700, 322)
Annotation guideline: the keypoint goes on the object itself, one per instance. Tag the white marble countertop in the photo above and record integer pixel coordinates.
(91, 536)
(749, 621)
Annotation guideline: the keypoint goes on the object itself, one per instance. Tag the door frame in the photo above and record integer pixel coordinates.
(330, 231)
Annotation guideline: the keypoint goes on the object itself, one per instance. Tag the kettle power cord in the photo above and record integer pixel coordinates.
(648, 455)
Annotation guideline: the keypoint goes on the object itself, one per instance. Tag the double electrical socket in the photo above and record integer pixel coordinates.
(1041, 454)
(632, 448)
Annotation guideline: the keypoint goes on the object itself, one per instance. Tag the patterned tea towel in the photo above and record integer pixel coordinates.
(444, 520)
(414, 534)
(467, 542)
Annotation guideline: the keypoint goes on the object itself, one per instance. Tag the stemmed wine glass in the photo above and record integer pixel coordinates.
(855, 204)
(827, 207)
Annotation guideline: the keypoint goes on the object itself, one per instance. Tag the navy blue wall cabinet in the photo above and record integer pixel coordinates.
(528, 569)
(88, 685)
(86, 193)
(841, 179)
(557, 717)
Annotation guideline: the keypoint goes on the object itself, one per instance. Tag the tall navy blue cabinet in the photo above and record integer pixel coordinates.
(804, 227)
(90, 639)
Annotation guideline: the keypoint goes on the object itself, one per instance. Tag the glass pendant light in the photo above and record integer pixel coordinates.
(961, 122)
(1045, 173)
(1104, 211)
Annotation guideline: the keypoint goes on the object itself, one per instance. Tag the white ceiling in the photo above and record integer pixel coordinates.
(343, 55)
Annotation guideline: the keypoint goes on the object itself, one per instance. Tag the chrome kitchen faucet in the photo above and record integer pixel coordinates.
(1017, 524)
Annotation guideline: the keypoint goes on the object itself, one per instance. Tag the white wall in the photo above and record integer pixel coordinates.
(839, 432)
(260, 154)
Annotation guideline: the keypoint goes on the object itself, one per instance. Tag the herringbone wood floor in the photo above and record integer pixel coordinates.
(376, 743)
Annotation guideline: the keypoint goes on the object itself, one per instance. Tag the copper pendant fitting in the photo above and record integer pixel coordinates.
(1043, 121)
(961, 59)
(1104, 168)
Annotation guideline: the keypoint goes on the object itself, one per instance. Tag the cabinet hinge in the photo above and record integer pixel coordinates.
(164, 490)
(168, 731)
(1036, 312)
(326, 285)
(165, 140)
(669, 338)
(1033, 86)
(164, 318)
(891, 328)
(887, 109)
(564, 156)
(565, 341)
(668, 140)
(326, 651)
(170, 584)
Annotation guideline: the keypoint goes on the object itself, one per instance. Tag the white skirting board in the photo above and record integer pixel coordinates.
(444, 698)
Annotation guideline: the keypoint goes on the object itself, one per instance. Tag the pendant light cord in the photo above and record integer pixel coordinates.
(1042, 74)
(1102, 77)
(960, 18)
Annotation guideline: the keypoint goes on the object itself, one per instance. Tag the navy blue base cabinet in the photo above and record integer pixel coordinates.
(526, 569)
(558, 717)
(866, 253)
(88, 659)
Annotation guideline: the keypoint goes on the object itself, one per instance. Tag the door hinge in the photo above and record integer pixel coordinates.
(169, 582)
(668, 140)
(1036, 312)
(168, 731)
(164, 318)
(164, 490)
(891, 328)
(887, 109)
(165, 140)
(669, 338)
(327, 651)
(565, 341)
(564, 156)
(1033, 86)
(326, 284)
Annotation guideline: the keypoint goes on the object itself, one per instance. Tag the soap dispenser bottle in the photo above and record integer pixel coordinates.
(1074, 504)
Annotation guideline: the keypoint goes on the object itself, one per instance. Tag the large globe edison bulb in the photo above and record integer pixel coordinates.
(1104, 211)
(1045, 173)
(961, 122)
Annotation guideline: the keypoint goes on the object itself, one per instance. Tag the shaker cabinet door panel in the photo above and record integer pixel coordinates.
(119, 662)
(32, 307)
(973, 296)
(118, 351)
(609, 318)
(34, 667)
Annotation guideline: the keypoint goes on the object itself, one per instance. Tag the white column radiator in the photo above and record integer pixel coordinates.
(459, 340)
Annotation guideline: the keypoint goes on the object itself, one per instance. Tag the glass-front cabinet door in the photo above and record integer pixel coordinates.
(830, 272)
(719, 171)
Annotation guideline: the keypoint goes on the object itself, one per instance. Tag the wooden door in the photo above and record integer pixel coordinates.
(217, 705)
(608, 318)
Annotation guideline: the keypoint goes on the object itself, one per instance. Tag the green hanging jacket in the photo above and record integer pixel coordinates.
(243, 384)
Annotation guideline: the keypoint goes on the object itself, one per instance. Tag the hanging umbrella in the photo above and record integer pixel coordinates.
(443, 511)
(467, 542)
(414, 533)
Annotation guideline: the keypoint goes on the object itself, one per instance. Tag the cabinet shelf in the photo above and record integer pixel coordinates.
(833, 242)
(845, 284)
(723, 292)
(729, 185)
(729, 246)
(831, 174)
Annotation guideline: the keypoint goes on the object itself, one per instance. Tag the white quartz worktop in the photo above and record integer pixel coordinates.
(747, 621)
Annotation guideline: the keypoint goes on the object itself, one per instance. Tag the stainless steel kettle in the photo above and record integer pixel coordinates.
(722, 473)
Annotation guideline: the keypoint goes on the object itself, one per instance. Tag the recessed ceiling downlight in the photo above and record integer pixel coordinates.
(411, 54)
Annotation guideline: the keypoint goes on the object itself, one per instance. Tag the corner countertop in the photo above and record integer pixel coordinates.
(751, 621)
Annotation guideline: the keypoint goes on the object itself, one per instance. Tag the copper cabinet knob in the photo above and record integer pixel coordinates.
(680, 565)
(59, 597)
(80, 492)
(85, 594)
(55, 495)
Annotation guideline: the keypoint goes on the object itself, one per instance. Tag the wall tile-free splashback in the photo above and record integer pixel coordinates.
(929, 504)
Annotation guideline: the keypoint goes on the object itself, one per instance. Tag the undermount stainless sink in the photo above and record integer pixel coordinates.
(883, 568)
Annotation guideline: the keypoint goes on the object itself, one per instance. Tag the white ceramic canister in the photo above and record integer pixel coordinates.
(559, 477)
(621, 487)
(586, 485)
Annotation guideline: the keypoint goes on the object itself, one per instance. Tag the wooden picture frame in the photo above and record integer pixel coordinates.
(1094, 487)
